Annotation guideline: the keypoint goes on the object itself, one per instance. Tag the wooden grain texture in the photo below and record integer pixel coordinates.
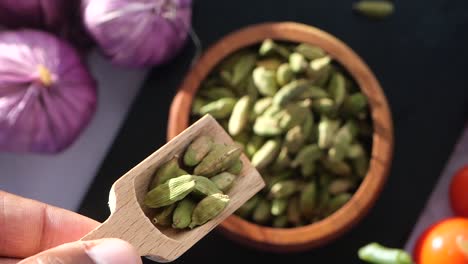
(301, 238)
(129, 219)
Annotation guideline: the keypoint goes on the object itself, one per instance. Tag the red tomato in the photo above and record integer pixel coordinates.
(459, 192)
(443, 243)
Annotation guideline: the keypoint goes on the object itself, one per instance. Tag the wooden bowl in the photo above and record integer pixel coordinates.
(319, 233)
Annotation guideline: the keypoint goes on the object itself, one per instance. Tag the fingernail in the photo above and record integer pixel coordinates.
(111, 251)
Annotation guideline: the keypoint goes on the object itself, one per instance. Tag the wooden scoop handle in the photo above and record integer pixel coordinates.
(128, 222)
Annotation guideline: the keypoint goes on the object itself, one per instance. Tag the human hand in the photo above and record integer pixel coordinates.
(34, 232)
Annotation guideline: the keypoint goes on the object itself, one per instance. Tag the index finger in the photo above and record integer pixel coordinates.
(28, 227)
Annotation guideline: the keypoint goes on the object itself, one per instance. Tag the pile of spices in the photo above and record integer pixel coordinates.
(301, 120)
(192, 194)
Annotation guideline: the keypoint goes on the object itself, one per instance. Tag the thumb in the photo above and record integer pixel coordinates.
(102, 251)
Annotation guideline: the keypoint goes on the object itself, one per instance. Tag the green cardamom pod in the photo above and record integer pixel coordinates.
(307, 154)
(197, 150)
(204, 186)
(241, 88)
(269, 47)
(354, 104)
(283, 189)
(337, 202)
(340, 168)
(294, 211)
(319, 64)
(261, 213)
(323, 200)
(307, 200)
(342, 141)
(276, 177)
(226, 77)
(267, 126)
(183, 214)
(265, 81)
(350, 130)
(297, 62)
(167, 171)
(173, 190)
(236, 168)
(294, 139)
(251, 89)
(284, 74)
(164, 217)
(247, 208)
(377, 253)
(324, 106)
(292, 115)
(270, 64)
(242, 68)
(220, 108)
(326, 131)
(228, 63)
(308, 169)
(337, 88)
(255, 143)
(240, 116)
(340, 186)
(308, 124)
(355, 150)
(280, 221)
(313, 92)
(197, 104)
(266, 154)
(273, 111)
(321, 79)
(219, 159)
(374, 9)
(278, 206)
(208, 208)
(290, 91)
(216, 92)
(261, 105)
(319, 70)
(304, 103)
(224, 181)
(310, 52)
(283, 160)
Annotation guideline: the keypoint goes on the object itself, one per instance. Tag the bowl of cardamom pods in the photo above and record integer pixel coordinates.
(311, 117)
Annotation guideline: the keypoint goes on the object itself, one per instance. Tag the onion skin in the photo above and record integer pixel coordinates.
(41, 14)
(47, 95)
(61, 17)
(138, 33)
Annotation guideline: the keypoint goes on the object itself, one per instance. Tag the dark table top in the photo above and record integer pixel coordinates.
(420, 57)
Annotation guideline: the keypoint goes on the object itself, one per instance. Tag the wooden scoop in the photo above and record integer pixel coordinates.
(129, 219)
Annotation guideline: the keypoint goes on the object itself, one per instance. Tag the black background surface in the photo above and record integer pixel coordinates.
(420, 57)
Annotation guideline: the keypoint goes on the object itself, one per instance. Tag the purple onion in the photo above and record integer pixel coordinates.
(61, 17)
(138, 33)
(44, 14)
(47, 96)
